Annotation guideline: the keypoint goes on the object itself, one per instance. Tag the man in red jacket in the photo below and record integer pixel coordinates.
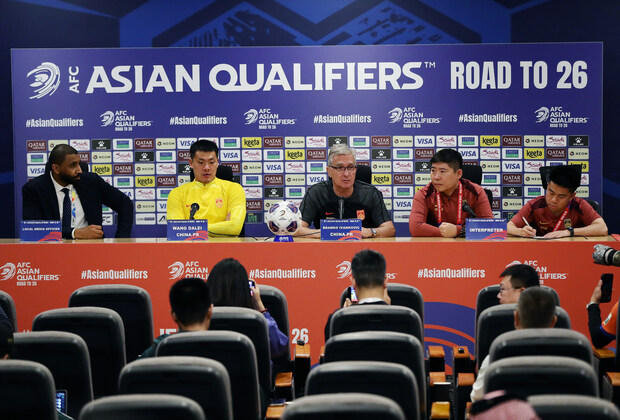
(438, 207)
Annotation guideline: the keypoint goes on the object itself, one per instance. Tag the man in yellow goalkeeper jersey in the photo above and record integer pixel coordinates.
(221, 202)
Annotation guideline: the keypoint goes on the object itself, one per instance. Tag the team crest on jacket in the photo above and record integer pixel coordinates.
(361, 214)
(567, 223)
(219, 203)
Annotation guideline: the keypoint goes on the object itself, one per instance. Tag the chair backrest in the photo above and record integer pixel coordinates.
(233, 350)
(275, 302)
(577, 407)
(143, 407)
(541, 342)
(487, 297)
(8, 305)
(202, 380)
(344, 406)
(102, 330)
(363, 173)
(595, 205)
(66, 356)
(534, 375)
(545, 173)
(473, 173)
(499, 319)
(26, 391)
(132, 303)
(382, 346)
(389, 380)
(377, 318)
(400, 295)
(254, 325)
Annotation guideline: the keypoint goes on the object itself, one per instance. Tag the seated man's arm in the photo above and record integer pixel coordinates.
(417, 218)
(308, 209)
(517, 226)
(483, 207)
(380, 219)
(31, 208)
(597, 228)
(307, 232)
(236, 213)
(175, 206)
(477, 391)
(385, 230)
(121, 204)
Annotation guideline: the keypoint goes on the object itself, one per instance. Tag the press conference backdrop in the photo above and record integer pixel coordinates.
(274, 111)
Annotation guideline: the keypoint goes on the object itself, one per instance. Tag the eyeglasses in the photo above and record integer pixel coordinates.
(503, 289)
(341, 169)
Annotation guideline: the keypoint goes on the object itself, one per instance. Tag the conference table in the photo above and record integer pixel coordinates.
(311, 273)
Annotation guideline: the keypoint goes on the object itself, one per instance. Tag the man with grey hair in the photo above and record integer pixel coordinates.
(342, 197)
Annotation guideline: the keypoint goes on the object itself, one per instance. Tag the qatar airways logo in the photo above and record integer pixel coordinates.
(46, 80)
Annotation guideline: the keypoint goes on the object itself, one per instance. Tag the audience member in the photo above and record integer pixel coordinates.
(220, 202)
(66, 193)
(605, 332)
(535, 309)
(559, 213)
(514, 280)
(229, 285)
(190, 308)
(438, 207)
(342, 197)
(368, 269)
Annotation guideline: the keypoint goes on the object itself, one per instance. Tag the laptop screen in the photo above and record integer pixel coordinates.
(61, 400)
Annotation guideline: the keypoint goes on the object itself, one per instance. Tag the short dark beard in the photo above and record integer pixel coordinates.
(69, 179)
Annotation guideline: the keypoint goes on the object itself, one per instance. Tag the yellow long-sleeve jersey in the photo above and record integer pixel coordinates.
(221, 202)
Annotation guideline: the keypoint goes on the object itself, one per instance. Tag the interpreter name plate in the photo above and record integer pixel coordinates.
(187, 230)
(341, 229)
(41, 230)
(486, 229)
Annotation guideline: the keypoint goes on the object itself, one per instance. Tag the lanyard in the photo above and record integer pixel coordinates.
(564, 213)
(459, 217)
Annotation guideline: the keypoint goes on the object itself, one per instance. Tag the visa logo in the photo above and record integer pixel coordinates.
(273, 167)
(161, 206)
(230, 155)
(402, 204)
(315, 179)
(36, 170)
(185, 143)
(469, 153)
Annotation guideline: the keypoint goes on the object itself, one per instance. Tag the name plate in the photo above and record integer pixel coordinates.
(486, 229)
(187, 230)
(41, 231)
(341, 229)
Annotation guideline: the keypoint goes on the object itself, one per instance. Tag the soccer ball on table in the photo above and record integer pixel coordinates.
(283, 218)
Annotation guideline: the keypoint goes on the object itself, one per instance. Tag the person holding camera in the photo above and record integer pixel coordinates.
(369, 282)
(601, 333)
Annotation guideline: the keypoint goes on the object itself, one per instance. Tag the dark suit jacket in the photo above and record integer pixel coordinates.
(40, 202)
(329, 318)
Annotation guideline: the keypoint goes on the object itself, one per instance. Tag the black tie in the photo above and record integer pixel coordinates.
(66, 210)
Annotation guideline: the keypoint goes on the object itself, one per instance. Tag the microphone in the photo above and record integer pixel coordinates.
(192, 212)
(466, 207)
(606, 255)
(340, 207)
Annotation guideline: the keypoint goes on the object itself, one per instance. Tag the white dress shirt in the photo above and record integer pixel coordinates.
(78, 219)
